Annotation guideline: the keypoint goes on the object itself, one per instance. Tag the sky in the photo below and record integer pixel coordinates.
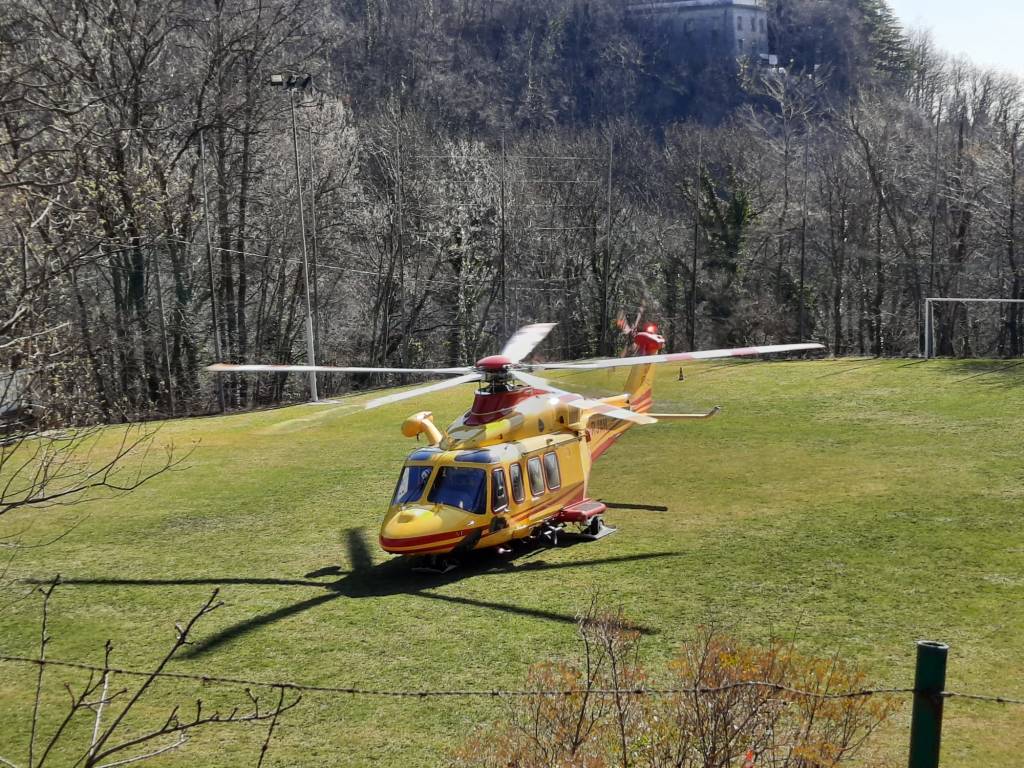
(989, 32)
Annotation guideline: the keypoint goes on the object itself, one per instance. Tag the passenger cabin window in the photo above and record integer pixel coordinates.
(515, 476)
(536, 475)
(411, 484)
(461, 487)
(499, 493)
(551, 471)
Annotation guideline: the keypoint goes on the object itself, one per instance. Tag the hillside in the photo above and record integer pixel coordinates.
(467, 168)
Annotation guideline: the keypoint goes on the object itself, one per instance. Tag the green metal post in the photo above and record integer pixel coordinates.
(926, 720)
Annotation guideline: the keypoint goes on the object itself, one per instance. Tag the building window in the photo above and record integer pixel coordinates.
(762, 27)
(739, 23)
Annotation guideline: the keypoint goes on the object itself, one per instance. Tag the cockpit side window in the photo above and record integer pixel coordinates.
(411, 484)
(515, 475)
(499, 492)
(536, 475)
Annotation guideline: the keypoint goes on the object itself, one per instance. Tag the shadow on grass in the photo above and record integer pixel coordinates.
(635, 507)
(999, 373)
(392, 577)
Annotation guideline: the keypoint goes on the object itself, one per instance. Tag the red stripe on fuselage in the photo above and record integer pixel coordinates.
(553, 504)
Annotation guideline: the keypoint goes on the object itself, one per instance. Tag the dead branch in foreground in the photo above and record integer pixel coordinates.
(46, 469)
(111, 743)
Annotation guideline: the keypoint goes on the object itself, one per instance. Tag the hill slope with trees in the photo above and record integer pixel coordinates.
(472, 166)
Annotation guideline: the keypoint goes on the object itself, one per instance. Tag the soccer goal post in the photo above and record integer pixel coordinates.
(929, 316)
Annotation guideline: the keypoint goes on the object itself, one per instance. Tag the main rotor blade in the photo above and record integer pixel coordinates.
(585, 403)
(537, 382)
(525, 340)
(232, 368)
(677, 357)
(423, 390)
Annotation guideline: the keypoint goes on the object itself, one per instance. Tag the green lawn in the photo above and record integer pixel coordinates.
(855, 505)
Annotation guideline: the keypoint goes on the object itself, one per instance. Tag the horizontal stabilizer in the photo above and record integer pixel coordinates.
(685, 416)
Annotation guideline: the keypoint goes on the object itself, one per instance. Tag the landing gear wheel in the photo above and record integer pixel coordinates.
(594, 528)
(436, 564)
(550, 536)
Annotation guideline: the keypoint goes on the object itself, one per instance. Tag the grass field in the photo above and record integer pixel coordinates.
(854, 505)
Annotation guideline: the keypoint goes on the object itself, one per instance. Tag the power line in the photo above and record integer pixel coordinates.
(481, 158)
(523, 282)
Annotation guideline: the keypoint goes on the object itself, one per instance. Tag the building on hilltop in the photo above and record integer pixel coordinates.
(725, 27)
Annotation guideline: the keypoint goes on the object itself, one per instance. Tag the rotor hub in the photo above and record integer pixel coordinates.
(495, 364)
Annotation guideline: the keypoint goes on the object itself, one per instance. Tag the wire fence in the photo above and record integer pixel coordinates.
(422, 693)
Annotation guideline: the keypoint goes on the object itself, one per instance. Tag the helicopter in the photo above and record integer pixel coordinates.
(517, 464)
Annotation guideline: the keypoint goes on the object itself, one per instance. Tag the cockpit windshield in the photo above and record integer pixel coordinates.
(462, 487)
(411, 484)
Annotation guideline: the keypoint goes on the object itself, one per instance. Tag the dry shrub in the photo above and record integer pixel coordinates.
(795, 716)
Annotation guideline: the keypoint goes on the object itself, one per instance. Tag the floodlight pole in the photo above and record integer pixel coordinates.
(293, 83)
(692, 336)
(209, 268)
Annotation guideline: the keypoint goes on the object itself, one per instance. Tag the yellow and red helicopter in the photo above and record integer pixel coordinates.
(517, 463)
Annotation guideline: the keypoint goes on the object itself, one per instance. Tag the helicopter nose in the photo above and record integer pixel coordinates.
(411, 523)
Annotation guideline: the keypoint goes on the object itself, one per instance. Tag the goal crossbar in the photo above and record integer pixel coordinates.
(929, 316)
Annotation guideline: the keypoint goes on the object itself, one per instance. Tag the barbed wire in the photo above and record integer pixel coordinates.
(980, 697)
(456, 693)
(503, 692)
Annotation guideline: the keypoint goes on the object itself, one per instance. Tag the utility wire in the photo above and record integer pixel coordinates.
(525, 283)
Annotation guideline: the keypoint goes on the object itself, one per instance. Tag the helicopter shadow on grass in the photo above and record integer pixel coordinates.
(634, 506)
(392, 577)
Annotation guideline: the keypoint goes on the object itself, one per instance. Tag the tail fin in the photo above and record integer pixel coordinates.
(640, 384)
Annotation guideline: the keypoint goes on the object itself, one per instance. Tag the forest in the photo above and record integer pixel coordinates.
(467, 166)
